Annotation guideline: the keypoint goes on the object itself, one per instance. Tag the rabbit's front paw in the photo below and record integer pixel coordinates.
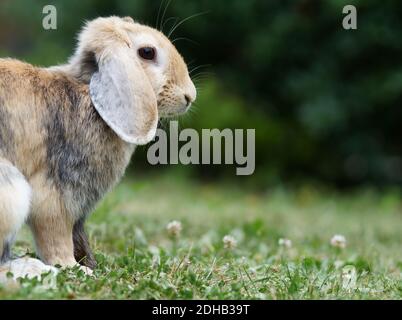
(24, 267)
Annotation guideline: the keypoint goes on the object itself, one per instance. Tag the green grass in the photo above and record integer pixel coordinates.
(139, 260)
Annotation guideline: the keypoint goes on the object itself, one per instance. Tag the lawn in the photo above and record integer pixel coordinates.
(139, 258)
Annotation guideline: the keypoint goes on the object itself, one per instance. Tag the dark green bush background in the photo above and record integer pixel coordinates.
(325, 102)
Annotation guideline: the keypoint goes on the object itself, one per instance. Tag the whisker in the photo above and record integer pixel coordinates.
(164, 13)
(190, 63)
(171, 18)
(200, 83)
(194, 108)
(189, 40)
(203, 74)
(186, 118)
(159, 12)
(201, 66)
(199, 87)
(186, 19)
(200, 79)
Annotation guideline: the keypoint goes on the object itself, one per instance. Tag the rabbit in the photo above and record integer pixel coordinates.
(67, 132)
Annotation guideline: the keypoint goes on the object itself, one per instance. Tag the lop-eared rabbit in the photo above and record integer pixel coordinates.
(67, 133)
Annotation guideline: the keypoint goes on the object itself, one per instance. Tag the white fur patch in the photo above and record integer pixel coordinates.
(15, 199)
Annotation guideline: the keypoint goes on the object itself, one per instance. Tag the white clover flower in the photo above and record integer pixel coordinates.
(283, 242)
(349, 277)
(229, 242)
(174, 228)
(338, 241)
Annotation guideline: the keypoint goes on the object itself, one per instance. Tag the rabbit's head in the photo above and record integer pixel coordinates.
(135, 76)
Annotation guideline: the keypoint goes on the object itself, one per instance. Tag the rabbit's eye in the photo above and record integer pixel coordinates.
(147, 53)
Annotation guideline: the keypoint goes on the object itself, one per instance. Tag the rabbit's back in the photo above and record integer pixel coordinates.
(32, 101)
(20, 110)
(51, 132)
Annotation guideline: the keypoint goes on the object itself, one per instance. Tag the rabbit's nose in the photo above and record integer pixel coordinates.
(190, 93)
(188, 99)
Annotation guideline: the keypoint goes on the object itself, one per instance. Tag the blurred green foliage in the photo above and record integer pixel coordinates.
(325, 101)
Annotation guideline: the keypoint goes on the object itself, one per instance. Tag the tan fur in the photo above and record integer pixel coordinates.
(51, 133)
(23, 88)
(49, 219)
(51, 224)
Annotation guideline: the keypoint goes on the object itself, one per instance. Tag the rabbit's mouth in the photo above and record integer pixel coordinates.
(175, 100)
(169, 107)
(173, 112)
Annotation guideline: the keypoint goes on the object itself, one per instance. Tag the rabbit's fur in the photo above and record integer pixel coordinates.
(67, 133)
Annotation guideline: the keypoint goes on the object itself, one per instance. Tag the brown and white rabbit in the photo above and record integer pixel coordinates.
(67, 133)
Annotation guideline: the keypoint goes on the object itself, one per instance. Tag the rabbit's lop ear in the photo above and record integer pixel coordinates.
(123, 96)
